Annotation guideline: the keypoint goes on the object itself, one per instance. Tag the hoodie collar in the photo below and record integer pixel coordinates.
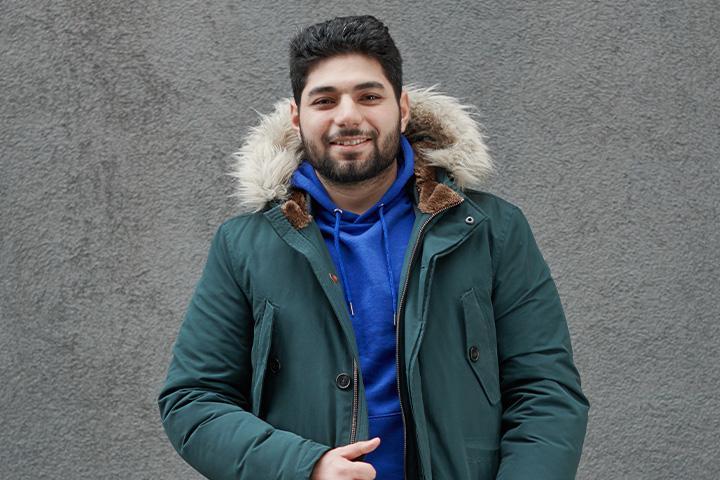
(442, 133)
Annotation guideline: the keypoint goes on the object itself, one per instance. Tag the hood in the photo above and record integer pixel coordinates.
(442, 132)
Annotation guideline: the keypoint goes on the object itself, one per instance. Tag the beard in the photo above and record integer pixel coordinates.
(350, 169)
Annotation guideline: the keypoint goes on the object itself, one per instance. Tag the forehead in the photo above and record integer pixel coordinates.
(344, 72)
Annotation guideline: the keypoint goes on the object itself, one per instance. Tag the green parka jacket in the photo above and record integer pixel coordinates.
(264, 376)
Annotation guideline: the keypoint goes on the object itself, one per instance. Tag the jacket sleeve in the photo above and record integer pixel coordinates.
(204, 402)
(544, 410)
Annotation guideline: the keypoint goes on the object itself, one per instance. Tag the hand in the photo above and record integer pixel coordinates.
(337, 464)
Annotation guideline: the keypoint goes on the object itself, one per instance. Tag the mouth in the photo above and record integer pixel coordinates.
(347, 143)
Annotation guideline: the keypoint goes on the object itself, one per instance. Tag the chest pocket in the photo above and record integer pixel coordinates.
(481, 345)
(262, 341)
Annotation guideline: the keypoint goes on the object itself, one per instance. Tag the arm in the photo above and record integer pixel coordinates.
(204, 402)
(544, 410)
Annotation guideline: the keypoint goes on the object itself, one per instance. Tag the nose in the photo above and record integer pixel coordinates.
(347, 113)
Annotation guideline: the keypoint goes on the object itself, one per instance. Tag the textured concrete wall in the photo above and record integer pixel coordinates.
(116, 122)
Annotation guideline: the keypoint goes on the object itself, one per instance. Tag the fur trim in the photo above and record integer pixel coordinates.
(442, 131)
(296, 211)
(433, 196)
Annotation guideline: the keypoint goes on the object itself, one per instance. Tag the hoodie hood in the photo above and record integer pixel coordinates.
(442, 132)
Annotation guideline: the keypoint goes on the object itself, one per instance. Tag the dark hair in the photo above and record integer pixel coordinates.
(363, 34)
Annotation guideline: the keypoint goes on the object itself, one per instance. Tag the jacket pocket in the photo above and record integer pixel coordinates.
(262, 341)
(482, 463)
(481, 346)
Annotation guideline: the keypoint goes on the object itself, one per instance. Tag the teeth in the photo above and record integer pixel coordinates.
(350, 142)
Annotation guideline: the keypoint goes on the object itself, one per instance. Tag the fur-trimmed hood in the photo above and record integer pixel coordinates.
(442, 131)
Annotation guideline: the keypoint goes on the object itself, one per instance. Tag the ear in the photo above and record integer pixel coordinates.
(404, 110)
(295, 116)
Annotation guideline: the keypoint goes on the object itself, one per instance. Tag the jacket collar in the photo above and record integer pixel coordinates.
(442, 132)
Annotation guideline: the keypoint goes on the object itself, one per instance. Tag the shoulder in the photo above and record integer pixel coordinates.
(244, 232)
(241, 222)
(498, 210)
(244, 224)
(508, 226)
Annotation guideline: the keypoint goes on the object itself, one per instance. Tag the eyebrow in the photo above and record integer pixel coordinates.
(359, 86)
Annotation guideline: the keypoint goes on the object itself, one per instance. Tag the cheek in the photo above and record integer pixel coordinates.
(389, 120)
(312, 125)
(388, 127)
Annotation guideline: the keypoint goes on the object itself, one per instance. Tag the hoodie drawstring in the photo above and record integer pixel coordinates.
(386, 245)
(336, 238)
(391, 277)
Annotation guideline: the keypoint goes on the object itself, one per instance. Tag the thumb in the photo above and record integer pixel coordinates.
(357, 449)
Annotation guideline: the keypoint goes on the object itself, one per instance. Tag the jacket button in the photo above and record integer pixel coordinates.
(343, 381)
(474, 353)
(274, 365)
(469, 220)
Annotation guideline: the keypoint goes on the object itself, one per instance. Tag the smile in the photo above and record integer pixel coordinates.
(351, 142)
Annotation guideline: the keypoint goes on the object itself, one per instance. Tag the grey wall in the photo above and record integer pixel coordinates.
(117, 120)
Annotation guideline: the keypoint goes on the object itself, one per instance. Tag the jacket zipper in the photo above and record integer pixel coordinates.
(396, 321)
(353, 427)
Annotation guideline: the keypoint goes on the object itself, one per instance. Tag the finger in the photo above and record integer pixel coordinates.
(354, 450)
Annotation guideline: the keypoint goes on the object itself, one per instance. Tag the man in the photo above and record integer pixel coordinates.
(375, 315)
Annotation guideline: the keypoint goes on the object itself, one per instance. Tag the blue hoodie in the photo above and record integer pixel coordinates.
(368, 250)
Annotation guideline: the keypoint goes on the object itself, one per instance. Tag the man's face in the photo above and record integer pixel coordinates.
(349, 120)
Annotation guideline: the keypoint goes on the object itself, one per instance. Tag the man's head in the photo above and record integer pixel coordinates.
(349, 107)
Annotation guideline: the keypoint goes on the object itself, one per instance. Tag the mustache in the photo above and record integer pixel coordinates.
(350, 132)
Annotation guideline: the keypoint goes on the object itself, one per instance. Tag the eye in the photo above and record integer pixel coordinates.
(322, 101)
(372, 97)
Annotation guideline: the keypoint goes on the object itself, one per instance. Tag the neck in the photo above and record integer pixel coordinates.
(360, 196)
